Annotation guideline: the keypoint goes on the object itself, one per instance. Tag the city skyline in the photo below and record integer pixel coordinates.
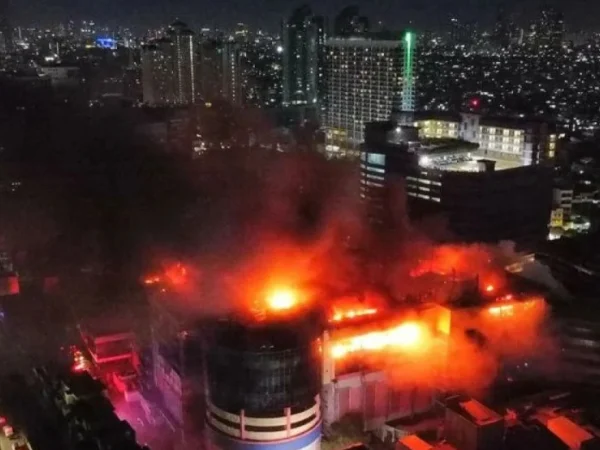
(433, 15)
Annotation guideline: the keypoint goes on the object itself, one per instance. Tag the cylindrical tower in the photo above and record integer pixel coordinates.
(263, 384)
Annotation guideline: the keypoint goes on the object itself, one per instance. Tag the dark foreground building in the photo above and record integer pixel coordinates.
(235, 385)
(263, 385)
(483, 198)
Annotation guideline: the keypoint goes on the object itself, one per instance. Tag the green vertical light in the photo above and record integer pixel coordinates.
(407, 91)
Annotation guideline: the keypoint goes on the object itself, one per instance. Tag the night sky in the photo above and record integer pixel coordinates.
(429, 14)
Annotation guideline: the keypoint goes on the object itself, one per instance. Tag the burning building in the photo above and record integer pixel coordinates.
(263, 383)
(288, 363)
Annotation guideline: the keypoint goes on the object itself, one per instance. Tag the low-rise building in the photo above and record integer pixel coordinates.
(519, 139)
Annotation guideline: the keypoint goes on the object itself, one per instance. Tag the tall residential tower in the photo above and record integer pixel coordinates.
(231, 54)
(303, 33)
(6, 32)
(169, 68)
(364, 84)
(157, 73)
(184, 62)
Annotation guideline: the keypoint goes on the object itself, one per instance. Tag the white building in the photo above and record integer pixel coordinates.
(520, 140)
(363, 82)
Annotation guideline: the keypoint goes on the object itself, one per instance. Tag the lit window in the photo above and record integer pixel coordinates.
(375, 158)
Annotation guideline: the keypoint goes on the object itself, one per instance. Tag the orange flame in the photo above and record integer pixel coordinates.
(342, 315)
(282, 299)
(409, 335)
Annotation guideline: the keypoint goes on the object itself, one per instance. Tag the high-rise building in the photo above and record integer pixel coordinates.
(157, 73)
(302, 35)
(184, 62)
(460, 32)
(549, 29)
(132, 84)
(364, 82)
(210, 70)
(349, 22)
(6, 32)
(232, 72)
(169, 68)
(501, 35)
(321, 24)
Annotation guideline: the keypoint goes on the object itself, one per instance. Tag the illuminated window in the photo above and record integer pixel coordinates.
(375, 158)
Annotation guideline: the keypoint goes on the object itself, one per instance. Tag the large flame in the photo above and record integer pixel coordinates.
(409, 335)
(282, 299)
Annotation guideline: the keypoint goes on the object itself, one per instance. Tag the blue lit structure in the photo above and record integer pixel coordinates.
(106, 42)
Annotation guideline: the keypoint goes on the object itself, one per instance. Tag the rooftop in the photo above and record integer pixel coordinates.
(480, 414)
(414, 442)
(568, 431)
(463, 158)
(473, 411)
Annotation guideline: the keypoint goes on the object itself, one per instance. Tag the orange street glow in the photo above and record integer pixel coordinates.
(489, 288)
(406, 336)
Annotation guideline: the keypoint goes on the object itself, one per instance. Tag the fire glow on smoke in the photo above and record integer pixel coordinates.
(409, 335)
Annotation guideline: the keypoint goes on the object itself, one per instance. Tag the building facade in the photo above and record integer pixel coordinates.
(364, 81)
(232, 72)
(184, 62)
(481, 198)
(522, 140)
(169, 68)
(157, 76)
(303, 38)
